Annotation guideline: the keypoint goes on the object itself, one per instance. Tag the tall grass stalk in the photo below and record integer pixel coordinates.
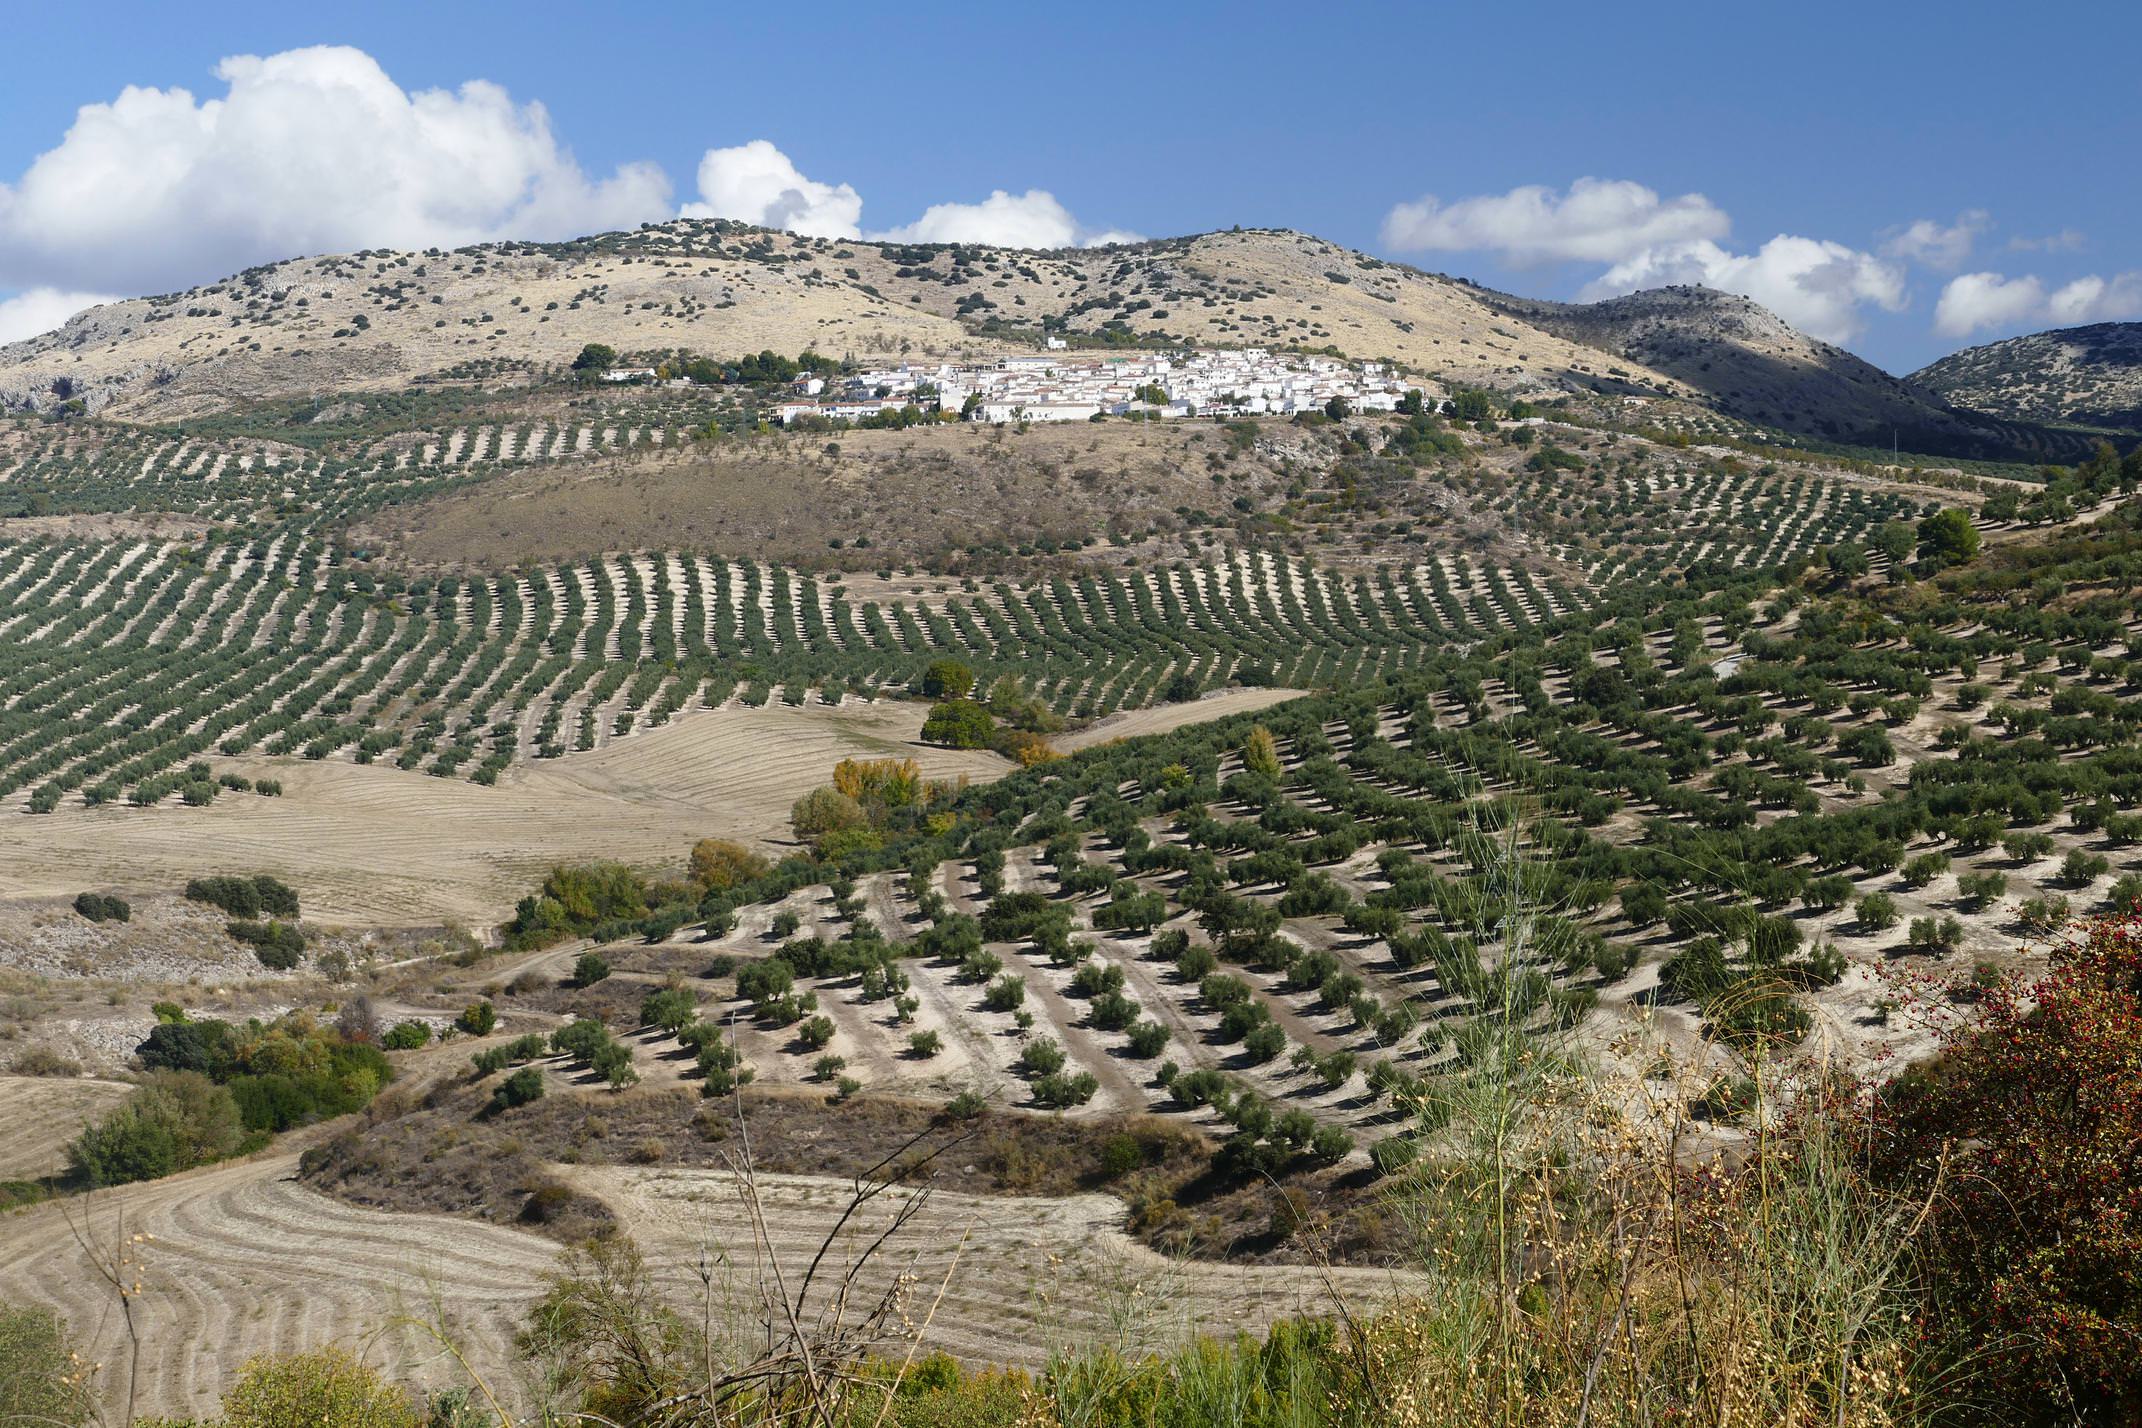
(1591, 1252)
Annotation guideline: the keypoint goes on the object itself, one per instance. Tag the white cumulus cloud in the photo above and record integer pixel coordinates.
(1818, 286)
(1642, 239)
(310, 150)
(1598, 221)
(1936, 244)
(2095, 299)
(1973, 302)
(756, 183)
(1033, 219)
(27, 314)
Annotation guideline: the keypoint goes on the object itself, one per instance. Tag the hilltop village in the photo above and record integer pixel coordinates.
(1248, 382)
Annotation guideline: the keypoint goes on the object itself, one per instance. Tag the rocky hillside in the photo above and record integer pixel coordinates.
(2091, 376)
(381, 319)
(1741, 359)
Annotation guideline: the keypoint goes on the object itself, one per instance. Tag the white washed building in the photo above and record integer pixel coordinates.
(1074, 388)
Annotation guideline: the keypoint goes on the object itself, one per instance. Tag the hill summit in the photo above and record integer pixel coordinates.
(1745, 361)
(379, 319)
(2087, 375)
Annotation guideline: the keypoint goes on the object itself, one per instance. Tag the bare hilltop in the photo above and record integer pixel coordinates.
(378, 319)
(2091, 376)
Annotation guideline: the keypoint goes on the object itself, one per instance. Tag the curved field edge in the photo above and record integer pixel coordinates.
(243, 1260)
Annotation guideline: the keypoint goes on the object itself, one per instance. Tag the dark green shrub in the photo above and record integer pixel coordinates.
(1876, 912)
(1041, 1058)
(1120, 1155)
(1263, 1043)
(245, 897)
(959, 724)
(1148, 1039)
(103, 907)
(669, 1008)
(279, 946)
(406, 1036)
(1005, 994)
(519, 1089)
(1057, 1091)
(1393, 1154)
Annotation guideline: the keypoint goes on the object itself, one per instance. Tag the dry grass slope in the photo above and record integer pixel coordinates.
(42, 1114)
(378, 846)
(245, 1261)
(380, 319)
(914, 495)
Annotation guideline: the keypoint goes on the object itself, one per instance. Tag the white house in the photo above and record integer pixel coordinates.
(790, 412)
(1000, 412)
(855, 410)
(1073, 388)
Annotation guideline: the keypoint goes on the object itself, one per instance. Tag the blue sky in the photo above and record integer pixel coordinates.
(1447, 136)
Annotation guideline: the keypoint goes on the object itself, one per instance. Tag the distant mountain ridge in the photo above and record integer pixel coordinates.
(1747, 362)
(378, 319)
(2091, 376)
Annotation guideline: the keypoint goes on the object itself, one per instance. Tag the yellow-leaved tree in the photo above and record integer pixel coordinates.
(721, 863)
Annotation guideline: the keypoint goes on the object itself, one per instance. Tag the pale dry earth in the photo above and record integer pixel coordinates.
(41, 1114)
(384, 847)
(1167, 718)
(1019, 1276)
(166, 938)
(244, 1261)
(858, 500)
